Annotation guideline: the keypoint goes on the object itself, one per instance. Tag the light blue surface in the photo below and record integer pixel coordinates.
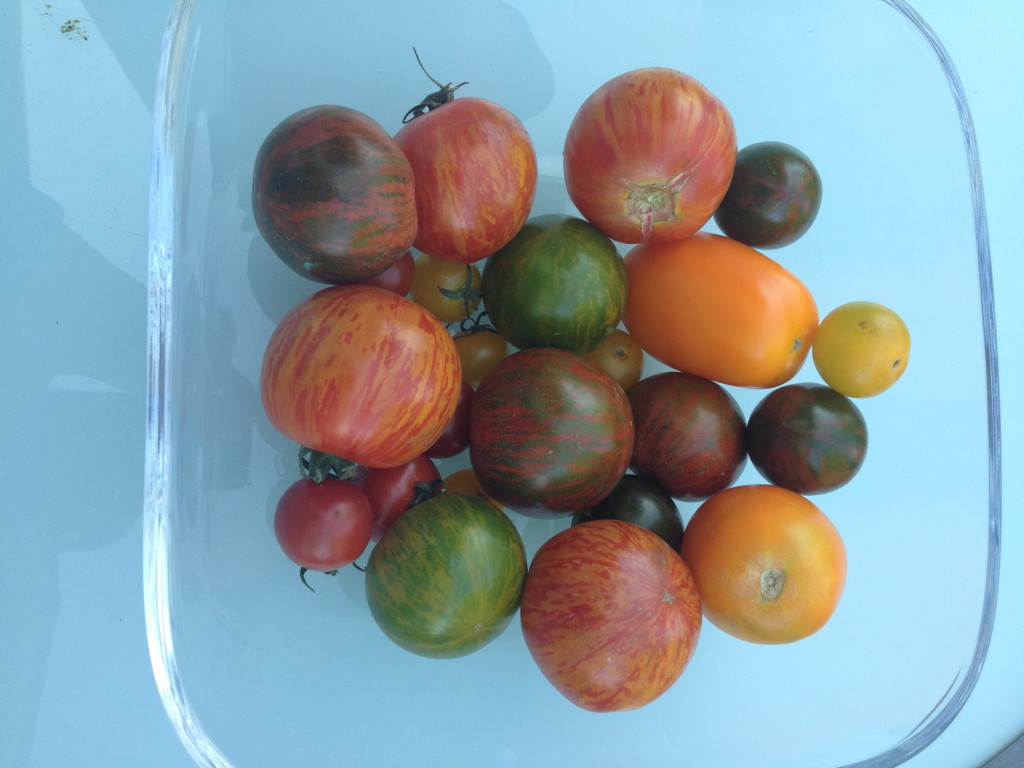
(76, 687)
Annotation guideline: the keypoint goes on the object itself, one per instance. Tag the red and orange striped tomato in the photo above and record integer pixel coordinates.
(476, 176)
(610, 614)
(649, 155)
(363, 373)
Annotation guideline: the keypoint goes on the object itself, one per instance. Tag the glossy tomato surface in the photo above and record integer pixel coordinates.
(620, 357)
(649, 155)
(689, 434)
(333, 195)
(714, 307)
(393, 491)
(610, 614)
(323, 526)
(455, 437)
(550, 434)
(360, 372)
(476, 177)
(447, 577)
(398, 277)
(558, 283)
(480, 348)
(642, 501)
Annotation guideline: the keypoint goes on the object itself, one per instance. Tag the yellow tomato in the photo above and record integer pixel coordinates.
(861, 349)
(620, 357)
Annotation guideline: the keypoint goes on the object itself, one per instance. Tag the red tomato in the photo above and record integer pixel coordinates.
(323, 526)
(393, 490)
(649, 156)
(610, 614)
(455, 438)
(398, 277)
(476, 176)
(360, 372)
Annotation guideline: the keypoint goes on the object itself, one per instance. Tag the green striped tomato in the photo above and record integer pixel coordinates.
(447, 577)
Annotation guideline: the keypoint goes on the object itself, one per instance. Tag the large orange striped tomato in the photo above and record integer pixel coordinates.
(770, 566)
(713, 307)
(475, 173)
(363, 373)
(649, 156)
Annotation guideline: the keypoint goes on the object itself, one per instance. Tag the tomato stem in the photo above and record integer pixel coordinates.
(431, 100)
(772, 582)
(468, 294)
(318, 466)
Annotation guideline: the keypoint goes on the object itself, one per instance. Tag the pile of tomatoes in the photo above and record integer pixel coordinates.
(521, 340)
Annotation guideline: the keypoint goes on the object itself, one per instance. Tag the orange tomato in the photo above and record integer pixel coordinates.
(620, 357)
(769, 565)
(465, 481)
(712, 307)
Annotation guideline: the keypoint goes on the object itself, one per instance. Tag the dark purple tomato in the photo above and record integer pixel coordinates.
(773, 198)
(807, 438)
(639, 500)
(333, 195)
(689, 434)
(550, 434)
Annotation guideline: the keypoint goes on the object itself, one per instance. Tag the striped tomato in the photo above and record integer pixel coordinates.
(610, 614)
(360, 372)
(476, 176)
(549, 433)
(333, 195)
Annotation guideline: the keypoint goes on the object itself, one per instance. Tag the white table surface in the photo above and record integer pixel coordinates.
(77, 84)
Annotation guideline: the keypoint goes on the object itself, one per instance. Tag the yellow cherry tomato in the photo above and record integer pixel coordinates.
(620, 357)
(861, 348)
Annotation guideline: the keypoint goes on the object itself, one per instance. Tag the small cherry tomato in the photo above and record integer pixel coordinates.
(392, 491)
(398, 277)
(449, 290)
(323, 526)
(465, 481)
(862, 348)
(620, 357)
(480, 349)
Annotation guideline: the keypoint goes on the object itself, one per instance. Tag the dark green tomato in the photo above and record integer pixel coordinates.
(559, 283)
(807, 438)
(446, 578)
(642, 501)
(773, 198)
(549, 433)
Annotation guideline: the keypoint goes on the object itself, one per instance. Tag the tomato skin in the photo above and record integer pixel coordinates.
(465, 481)
(476, 177)
(862, 348)
(689, 434)
(714, 307)
(333, 195)
(323, 526)
(433, 277)
(398, 277)
(642, 501)
(550, 434)
(610, 614)
(620, 357)
(455, 437)
(649, 155)
(454, 604)
(360, 372)
(392, 490)
(480, 349)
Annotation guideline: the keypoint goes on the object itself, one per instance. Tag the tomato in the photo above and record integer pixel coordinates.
(610, 614)
(447, 577)
(465, 481)
(807, 438)
(862, 348)
(323, 526)
(713, 307)
(642, 501)
(392, 491)
(689, 434)
(333, 195)
(448, 289)
(549, 433)
(773, 198)
(360, 372)
(398, 277)
(455, 437)
(769, 565)
(620, 357)
(476, 177)
(558, 283)
(649, 155)
(480, 348)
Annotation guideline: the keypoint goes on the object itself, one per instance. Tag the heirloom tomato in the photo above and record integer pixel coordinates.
(476, 177)
(770, 566)
(649, 155)
(447, 577)
(455, 437)
(807, 438)
(620, 357)
(361, 372)
(642, 501)
(714, 307)
(549, 433)
(333, 195)
(448, 289)
(558, 283)
(610, 614)
(323, 526)
(480, 348)
(689, 434)
(862, 348)
(392, 491)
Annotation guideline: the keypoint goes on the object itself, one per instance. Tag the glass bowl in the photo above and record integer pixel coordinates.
(255, 670)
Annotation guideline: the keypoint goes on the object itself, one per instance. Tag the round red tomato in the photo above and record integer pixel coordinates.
(649, 155)
(360, 372)
(323, 526)
(392, 491)
(610, 614)
(398, 277)
(333, 195)
(455, 437)
(476, 176)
